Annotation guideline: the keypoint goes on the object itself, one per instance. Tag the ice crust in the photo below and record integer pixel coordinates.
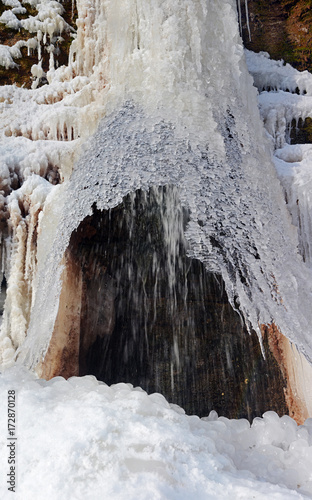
(288, 100)
(81, 439)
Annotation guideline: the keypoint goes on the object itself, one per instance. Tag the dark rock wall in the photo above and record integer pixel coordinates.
(280, 27)
(183, 340)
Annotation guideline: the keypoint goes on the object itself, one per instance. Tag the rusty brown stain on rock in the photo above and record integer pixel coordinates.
(282, 351)
(62, 358)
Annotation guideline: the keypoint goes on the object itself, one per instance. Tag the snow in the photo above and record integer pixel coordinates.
(271, 74)
(10, 20)
(8, 53)
(81, 439)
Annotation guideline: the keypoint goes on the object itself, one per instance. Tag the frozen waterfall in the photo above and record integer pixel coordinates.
(155, 236)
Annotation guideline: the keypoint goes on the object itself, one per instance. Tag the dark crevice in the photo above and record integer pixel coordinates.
(161, 320)
(300, 132)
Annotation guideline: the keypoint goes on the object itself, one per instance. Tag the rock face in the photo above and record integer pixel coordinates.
(280, 27)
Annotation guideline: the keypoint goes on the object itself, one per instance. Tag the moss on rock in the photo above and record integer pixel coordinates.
(280, 27)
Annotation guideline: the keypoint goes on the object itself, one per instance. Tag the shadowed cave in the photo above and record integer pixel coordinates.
(154, 317)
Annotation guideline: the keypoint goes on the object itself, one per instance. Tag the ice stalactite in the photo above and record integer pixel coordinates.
(24, 207)
(247, 18)
(29, 174)
(239, 9)
(47, 24)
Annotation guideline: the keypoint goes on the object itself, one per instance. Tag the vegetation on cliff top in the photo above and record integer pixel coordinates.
(282, 28)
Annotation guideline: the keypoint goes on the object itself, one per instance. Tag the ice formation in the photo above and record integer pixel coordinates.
(285, 99)
(48, 25)
(164, 88)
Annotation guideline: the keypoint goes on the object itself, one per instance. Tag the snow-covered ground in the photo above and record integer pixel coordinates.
(80, 439)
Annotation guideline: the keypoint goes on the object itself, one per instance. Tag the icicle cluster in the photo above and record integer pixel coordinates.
(286, 99)
(47, 25)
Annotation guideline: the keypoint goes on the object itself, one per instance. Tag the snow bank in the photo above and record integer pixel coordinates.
(81, 439)
(269, 74)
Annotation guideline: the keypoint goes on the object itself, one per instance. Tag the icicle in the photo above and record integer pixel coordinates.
(39, 38)
(240, 17)
(247, 18)
(51, 59)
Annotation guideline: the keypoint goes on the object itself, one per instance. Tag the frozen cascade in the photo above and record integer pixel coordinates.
(179, 171)
(177, 107)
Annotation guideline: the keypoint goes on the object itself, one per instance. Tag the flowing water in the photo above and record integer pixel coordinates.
(153, 316)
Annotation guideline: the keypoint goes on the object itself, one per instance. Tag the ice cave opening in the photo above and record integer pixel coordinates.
(152, 316)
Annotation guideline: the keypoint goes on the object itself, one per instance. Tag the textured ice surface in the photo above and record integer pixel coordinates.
(81, 439)
(239, 226)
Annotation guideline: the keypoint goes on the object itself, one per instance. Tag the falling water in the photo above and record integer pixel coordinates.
(152, 316)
